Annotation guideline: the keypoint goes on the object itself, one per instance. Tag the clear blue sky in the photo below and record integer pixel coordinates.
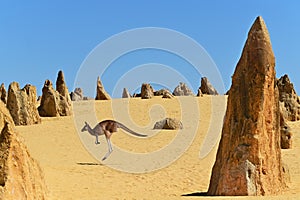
(38, 38)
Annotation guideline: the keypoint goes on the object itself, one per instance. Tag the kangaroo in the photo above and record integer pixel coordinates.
(107, 128)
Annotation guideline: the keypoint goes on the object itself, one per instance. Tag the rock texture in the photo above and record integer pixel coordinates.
(164, 93)
(3, 93)
(49, 101)
(61, 86)
(22, 103)
(199, 94)
(77, 95)
(248, 160)
(285, 134)
(207, 88)
(147, 91)
(125, 93)
(290, 102)
(62, 89)
(20, 175)
(160, 92)
(182, 90)
(167, 95)
(168, 123)
(53, 104)
(101, 93)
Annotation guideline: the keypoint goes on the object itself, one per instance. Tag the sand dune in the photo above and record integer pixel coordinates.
(71, 172)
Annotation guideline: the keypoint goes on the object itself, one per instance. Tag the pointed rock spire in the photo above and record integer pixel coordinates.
(101, 93)
(248, 160)
(125, 93)
(60, 83)
(61, 87)
(207, 88)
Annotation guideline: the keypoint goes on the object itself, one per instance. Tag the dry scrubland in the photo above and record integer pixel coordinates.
(72, 173)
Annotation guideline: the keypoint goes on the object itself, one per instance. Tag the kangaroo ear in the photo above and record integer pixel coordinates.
(86, 123)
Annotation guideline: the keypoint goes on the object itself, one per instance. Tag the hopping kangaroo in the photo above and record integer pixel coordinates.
(107, 127)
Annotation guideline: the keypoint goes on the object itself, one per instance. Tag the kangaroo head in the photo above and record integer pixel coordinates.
(85, 127)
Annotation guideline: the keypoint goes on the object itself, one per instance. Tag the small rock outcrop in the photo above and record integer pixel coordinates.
(160, 92)
(199, 94)
(20, 175)
(248, 160)
(125, 93)
(101, 93)
(53, 104)
(168, 123)
(167, 95)
(289, 100)
(182, 90)
(22, 103)
(3, 93)
(164, 93)
(77, 95)
(88, 98)
(147, 91)
(207, 88)
(135, 95)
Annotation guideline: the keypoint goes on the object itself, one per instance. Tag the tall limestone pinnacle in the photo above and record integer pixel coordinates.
(248, 160)
(101, 94)
(61, 86)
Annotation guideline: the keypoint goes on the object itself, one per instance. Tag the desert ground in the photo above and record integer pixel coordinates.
(72, 172)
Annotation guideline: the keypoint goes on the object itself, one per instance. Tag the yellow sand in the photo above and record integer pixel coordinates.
(71, 172)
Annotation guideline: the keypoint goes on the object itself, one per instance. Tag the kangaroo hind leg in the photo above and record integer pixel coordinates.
(109, 149)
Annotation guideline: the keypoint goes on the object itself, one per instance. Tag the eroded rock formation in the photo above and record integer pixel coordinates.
(147, 91)
(182, 90)
(53, 104)
(22, 103)
(3, 93)
(285, 133)
(101, 93)
(199, 94)
(167, 95)
(125, 93)
(164, 93)
(77, 95)
(289, 100)
(248, 160)
(168, 123)
(20, 175)
(61, 86)
(207, 88)
(49, 101)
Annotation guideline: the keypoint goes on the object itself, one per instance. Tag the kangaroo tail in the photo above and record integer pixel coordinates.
(122, 126)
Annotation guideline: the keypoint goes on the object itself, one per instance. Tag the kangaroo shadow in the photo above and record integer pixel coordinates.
(89, 163)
